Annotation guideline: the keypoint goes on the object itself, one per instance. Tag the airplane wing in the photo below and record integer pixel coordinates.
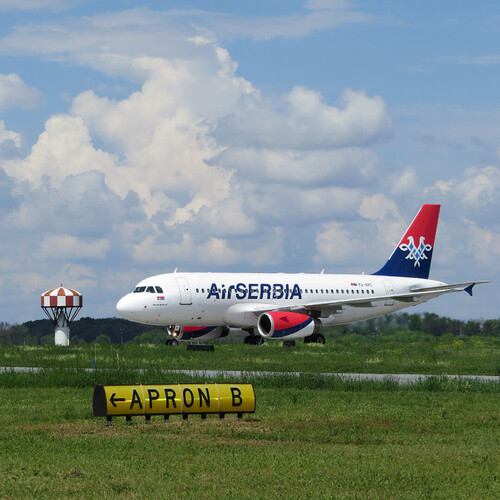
(325, 309)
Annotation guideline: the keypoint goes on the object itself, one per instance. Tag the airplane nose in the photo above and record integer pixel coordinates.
(125, 306)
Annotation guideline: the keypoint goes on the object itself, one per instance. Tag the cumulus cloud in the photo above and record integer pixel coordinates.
(10, 142)
(58, 246)
(14, 92)
(405, 183)
(64, 148)
(307, 122)
(481, 186)
(377, 207)
(196, 167)
(212, 251)
(8, 135)
(484, 244)
(334, 244)
(342, 166)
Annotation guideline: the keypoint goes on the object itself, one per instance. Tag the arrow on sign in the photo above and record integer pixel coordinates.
(112, 399)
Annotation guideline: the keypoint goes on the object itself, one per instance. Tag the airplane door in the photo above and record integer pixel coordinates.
(184, 291)
(389, 288)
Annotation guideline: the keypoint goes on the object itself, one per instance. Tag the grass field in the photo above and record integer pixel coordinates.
(474, 356)
(311, 437)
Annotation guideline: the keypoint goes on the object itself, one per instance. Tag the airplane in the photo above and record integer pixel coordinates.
(289, 306)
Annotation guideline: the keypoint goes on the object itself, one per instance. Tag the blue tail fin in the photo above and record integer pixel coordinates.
(412, 257)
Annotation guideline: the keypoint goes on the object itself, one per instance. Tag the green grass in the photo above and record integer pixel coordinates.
(310, 437)
(344, 440)
(474, 356)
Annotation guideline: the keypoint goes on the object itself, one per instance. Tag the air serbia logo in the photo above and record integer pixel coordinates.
(255, 291)
(416, 253)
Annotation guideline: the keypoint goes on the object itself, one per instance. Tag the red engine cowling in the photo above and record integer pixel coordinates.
(201, 333)
(290, 325)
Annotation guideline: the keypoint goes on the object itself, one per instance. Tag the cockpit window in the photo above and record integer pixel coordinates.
(150, 289)
(139, 289)
(159, 289)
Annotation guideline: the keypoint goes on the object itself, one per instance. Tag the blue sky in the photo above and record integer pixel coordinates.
(255, 136)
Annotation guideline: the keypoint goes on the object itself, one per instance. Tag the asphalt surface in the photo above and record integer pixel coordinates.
(400, 378)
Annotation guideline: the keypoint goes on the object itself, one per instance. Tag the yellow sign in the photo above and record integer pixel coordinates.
(173, 399)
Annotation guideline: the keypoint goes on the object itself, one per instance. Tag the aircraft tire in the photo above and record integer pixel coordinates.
(319, 339)
(168, 342)
(174, 342)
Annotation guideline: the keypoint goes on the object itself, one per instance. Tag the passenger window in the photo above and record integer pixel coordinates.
(159, 289)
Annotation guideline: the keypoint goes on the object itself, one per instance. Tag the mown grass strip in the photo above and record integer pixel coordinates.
(89, 378)
(476, 356)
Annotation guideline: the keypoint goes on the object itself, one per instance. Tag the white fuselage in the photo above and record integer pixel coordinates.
(227, 299)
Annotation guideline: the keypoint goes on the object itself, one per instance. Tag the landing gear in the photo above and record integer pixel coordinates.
(173, 342)
(252, 338)
(317, 338)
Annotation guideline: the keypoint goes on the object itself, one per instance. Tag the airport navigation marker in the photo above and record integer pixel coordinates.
(61, 305)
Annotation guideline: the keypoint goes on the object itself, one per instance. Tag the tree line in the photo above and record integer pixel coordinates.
(120, 331)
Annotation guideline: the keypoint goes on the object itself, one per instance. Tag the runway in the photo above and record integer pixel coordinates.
(399, 378)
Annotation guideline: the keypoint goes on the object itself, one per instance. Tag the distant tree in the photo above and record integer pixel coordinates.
(491, 327)
(47, 340)
(456, 327)
(435, 325)
(472, 328)
(415, 322)
(102, 339)
(13, 334)
(151, 337)
(32, 340)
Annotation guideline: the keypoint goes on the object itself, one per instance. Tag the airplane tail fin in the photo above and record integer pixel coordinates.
(412, 257)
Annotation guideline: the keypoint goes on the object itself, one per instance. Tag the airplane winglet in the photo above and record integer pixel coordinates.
(469, 288)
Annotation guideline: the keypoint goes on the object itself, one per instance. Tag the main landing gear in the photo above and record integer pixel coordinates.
(252, 338)
(317, 338)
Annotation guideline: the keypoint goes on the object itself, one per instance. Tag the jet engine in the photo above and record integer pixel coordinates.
(289, 325)
(201, 333)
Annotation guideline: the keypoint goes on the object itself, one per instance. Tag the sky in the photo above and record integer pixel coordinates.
(263, 136)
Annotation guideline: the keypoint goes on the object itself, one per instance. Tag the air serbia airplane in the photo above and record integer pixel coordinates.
(290, 306)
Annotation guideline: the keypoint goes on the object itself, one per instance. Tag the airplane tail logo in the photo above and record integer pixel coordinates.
(410, 259)
(416, 253)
